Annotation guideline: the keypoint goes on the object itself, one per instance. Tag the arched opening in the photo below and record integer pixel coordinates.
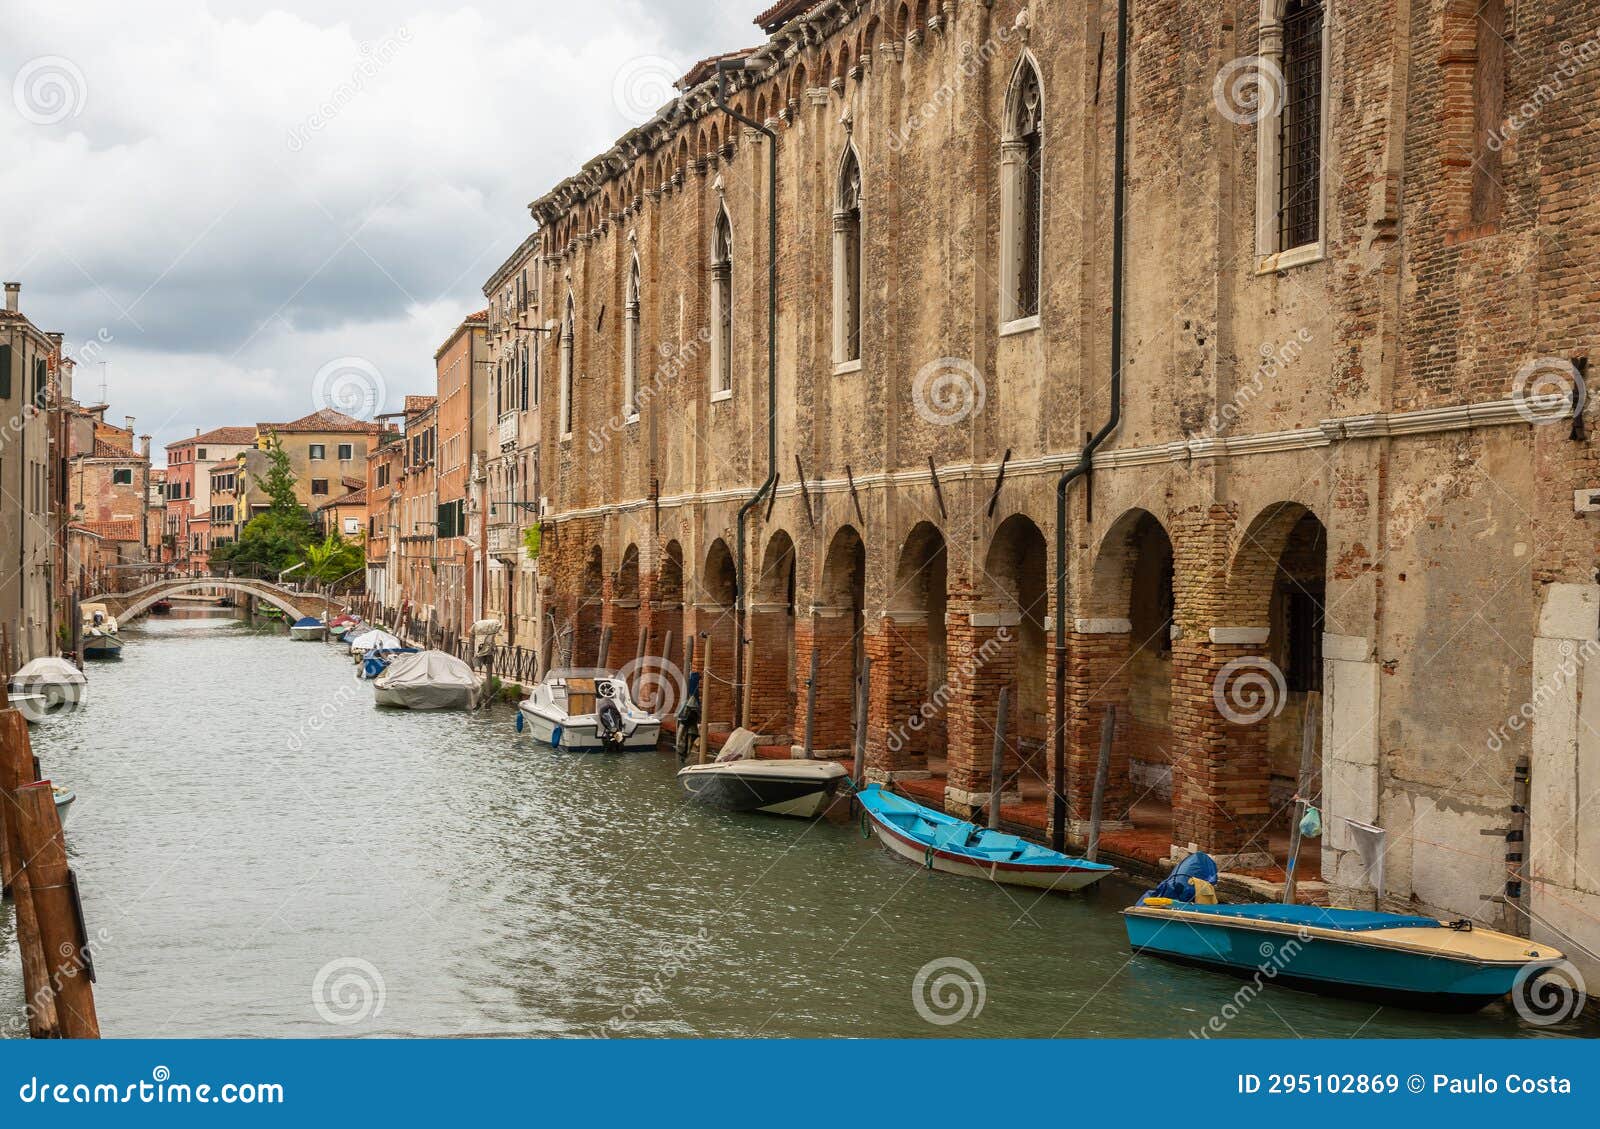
(770, 658)
(1022, 197)
(833, 633)
(630, 342)
(847, 261)
(716, 621)
(666, 606)
(587, 620)
(1120, 656)
(722, 305)
(910, 658)
(622, 611)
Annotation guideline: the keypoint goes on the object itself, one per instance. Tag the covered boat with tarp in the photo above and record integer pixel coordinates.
(1390, 958)
(427, 680)
(953, 846)
(309, 629)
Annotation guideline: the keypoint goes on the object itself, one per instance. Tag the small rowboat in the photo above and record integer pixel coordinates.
(944, 843)
(1388, 958)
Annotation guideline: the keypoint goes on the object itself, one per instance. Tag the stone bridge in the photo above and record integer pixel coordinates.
(297, 605)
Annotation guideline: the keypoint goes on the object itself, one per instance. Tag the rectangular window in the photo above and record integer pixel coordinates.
(352, 526)
(1303, 610)
(200, 455)
(41, 384)
(5, 372)
(122, 476)
(1300, 127)
(318, 452)
(319, 486)
(347, 451)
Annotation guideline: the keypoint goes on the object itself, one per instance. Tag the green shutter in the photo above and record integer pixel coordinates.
(41, 383)
(5, 372)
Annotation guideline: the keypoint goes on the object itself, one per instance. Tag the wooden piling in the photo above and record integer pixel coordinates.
(997, 758)
(863, 697)
(811, 702)
(1102, 774)
(1308, 756)
(638, 657)
(55, 902)
(705, 700)
(605, 648)
(17, 772)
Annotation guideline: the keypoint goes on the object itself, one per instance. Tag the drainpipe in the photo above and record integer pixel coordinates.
(741, 595)
(1058, 783)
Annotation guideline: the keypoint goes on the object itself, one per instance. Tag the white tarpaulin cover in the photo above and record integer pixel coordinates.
(376, 640)
(430, 680)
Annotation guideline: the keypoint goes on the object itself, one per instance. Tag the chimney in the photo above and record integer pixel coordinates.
(144, 441)
(129, 421)
(12, 290)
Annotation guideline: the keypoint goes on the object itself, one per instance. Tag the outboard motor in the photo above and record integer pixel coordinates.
(608, 724)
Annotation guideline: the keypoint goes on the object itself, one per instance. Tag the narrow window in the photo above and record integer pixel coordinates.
(522, 403)
(1489, 99)
(1300, 127)
(847, 265)
(630, 345)
(566, 369)
(347, 451)
(1022, 205)
(722, 305)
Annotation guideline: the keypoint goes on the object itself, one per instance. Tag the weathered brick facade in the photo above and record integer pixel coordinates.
(1328, 469)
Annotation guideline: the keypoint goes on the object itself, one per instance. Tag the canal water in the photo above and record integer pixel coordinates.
(263, 853)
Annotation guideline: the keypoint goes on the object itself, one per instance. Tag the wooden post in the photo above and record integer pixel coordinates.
(605, 647)
(666, 657)
(55, 901)
(16, 771)
(997, 758)
(811, 701)
(705, 700)
(1102, 773)
(638, 658)
(863, 697)
(1308, 754)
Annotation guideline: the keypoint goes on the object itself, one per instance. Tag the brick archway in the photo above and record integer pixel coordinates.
(715, 624)
(832, 630)
(622, 610)
(910, 657)
(588, 615)
(770, 658)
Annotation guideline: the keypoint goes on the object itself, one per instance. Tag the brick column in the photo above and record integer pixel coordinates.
(1220, 801)
(715, 622)
(769, 674)
(830, 632)
(983, 658)
(902, 708)
(1098, 651)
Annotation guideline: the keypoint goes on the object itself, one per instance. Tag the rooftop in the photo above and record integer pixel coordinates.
(325, 420)
(221, 436)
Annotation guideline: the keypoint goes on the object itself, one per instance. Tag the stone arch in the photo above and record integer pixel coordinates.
(833, 632)
(716, 626)
(137, 603)
(770, 658)
(910, 656)
(622, 610)
(666, 605)
(588, 617)
(719, 583)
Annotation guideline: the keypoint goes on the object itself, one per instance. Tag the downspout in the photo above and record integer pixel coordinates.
(1058, 784)
(741, 593)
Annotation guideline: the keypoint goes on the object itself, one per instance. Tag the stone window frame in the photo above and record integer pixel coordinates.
(1269, 146)
(630, 342)
(1014, 207)
(567, 411)
(849, 222)
(720, 269)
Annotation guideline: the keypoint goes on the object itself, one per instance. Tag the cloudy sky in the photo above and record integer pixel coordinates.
(217, 201)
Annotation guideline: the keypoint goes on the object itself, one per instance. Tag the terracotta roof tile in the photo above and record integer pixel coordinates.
(104, 450)
(782, 12)
(354, 498)
(325, 420)
(110, 530)
(420, 403)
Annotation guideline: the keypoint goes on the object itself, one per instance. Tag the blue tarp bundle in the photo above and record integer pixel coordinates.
(308, 621)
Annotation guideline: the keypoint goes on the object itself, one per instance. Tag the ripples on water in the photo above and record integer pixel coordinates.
(246, 818)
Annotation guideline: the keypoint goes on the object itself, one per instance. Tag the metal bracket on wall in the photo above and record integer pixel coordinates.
(854, 497)
(1000, 480)
(938, 491)
(805, 492)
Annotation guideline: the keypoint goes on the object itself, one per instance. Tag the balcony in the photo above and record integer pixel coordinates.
(508, 431)
(504, 540)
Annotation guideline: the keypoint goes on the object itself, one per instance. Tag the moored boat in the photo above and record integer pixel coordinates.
(373, 640)
(799, 788)
(65, 798)
(309, 630)
(1389, 958)
(100, 640)
(587, 711)
(47, 687)
(944, 843)
(427, 680)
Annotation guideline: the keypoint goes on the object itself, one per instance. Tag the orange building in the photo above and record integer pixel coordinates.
(462, 367)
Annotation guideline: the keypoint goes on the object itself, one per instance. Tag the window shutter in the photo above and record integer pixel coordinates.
(41, 383)
(5, 372)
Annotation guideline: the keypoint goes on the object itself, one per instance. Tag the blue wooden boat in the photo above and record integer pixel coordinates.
(944, 843)
(1388, 958)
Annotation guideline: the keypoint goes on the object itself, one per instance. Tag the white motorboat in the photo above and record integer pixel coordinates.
(308, 630)
(64, 798)
(587, 710)
(374, 641)
(47, 687)
(427, 680)
(99, 627)
(778, 787)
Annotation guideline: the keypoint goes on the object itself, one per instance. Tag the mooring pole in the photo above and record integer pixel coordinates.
(705, 701)
(605, 647)
(17, 772)
(863, 695)
(1102, 773)
(55, 898)
(1308, 755)
(997, 759)
(666, 659)
(811, 699)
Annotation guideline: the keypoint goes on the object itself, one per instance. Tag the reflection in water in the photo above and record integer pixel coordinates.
(267, 854)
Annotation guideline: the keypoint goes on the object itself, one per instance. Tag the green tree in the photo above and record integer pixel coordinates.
(277, 538)
(334, 558)
(279, 481)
